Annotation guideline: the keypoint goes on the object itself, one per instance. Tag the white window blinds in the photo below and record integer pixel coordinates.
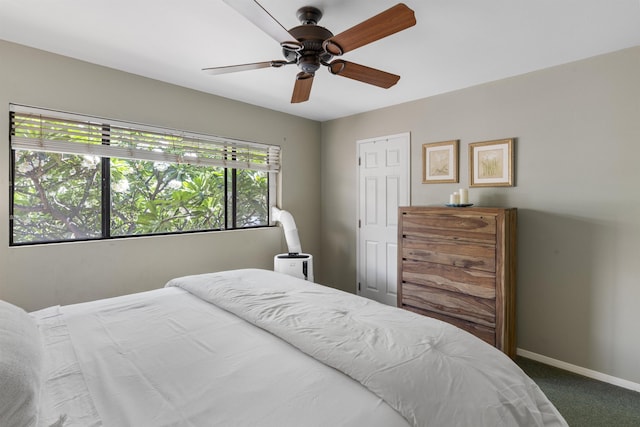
(37, 129)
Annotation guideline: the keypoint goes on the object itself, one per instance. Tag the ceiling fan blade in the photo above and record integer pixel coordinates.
(302, 88)
(363, 74)
(258, 15)
(243, 67)
(392, 20)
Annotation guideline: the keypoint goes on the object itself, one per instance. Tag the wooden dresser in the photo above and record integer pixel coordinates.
(459, 265)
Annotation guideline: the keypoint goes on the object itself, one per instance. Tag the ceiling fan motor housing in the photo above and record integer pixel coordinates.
(312, 36)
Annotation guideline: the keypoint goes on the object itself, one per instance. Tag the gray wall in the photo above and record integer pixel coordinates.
(577, 190)
(39, 276)
(577, 133)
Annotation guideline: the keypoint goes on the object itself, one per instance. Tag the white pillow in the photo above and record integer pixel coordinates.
(21, 355)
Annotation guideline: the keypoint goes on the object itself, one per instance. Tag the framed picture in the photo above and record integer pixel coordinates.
(440, 162)
(491, 163)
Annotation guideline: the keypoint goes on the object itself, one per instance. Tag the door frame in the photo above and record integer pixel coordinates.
(407, 137)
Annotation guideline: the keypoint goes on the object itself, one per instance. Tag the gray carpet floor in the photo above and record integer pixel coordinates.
(582, 401)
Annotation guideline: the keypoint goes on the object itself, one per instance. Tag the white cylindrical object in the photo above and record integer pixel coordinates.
(464, 196)
(456, 198)
(290, 230)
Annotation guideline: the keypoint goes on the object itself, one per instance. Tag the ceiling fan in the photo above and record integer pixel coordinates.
(310, 46)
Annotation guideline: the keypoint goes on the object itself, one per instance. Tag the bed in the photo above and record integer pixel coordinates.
(253, 348)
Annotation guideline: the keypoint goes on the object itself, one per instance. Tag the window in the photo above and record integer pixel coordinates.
(80, 178)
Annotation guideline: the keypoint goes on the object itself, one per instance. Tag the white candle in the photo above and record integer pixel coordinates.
(452, 199)
(464, 196)
(456, 198)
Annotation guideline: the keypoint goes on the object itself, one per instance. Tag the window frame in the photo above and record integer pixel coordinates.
(230, 198)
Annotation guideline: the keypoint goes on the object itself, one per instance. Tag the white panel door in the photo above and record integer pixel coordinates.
(383, 185)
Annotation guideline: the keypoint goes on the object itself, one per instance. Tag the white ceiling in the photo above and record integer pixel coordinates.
(455, 44)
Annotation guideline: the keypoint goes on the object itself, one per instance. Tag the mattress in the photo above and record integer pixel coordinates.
(258, 348)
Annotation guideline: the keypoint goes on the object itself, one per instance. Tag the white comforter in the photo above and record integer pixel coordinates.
(429, 371)
(189, 355)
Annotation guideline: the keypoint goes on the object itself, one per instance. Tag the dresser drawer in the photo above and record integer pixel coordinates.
(455, 227)
(477, 256)
(454, 304)
(485, 333)
(470, 282)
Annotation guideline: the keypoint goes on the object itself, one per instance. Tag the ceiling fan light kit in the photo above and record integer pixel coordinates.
(310, 46)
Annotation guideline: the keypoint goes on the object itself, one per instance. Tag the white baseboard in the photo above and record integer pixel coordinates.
(579, 370)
